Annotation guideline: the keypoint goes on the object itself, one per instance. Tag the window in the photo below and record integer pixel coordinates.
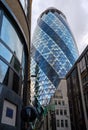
(59, 102)
(62, 123)
(58, 123)
(66, 123)
(61, 112)
(55, 102)
(82, 64)
(9, 112)
(12, 56)
(63, 103)
(5, 53)
(11, 38)
(9, 77)
(3, 71)
(57, 111)
(65, 112)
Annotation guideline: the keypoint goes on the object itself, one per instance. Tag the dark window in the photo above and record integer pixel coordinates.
(59, 102)
(66, 123)
(62, 123)
(61, 112)
(9, 112)
(65, 112)
(63, 103)
(15, 83)
(57, 111)
(55, 102)
(58, 123)
(9, 77)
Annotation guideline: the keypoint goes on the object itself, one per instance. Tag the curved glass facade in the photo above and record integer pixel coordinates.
(12, 55)
(54, 52)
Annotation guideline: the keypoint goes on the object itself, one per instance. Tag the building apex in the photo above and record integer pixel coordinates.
(53, 9)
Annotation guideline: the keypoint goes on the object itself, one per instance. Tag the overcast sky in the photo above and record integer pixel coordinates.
(76, 12)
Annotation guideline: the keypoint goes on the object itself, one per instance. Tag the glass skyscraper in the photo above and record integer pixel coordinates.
(54, 51)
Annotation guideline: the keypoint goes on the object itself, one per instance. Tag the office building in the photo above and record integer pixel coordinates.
(61, 109)
(14, 54)
(77, 89)
(56, 113)
(54, 52)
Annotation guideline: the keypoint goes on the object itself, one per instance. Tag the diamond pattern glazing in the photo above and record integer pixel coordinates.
(54, 52)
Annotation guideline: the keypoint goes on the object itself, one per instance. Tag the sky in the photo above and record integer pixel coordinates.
(76, 12)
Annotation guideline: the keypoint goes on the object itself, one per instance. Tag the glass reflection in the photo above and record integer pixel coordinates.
(4, 52)
(3, 71)
(10, 37)
(16, 65)
(9, 77)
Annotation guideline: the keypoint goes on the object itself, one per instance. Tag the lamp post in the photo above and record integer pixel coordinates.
(28, 114)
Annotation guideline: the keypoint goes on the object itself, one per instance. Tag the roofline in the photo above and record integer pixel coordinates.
(52, 9)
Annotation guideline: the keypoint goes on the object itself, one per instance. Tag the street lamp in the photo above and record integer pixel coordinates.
(28, 114)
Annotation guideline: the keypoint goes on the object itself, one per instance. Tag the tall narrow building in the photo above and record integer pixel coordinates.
(54, 51)
(14, 55)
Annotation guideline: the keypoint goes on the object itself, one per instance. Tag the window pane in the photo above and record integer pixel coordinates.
(16, 65)
(4, 52)
(9, 77)
(15, 86)
(63, 103)
(59, 102)
(55, 102)
(3, 71)
(57, 111)
(10, 37)
(62, 123)
(61, 112)
(65, 112)
(66, 123)
(58, 123)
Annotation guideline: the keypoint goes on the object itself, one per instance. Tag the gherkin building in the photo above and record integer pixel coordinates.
(54, 52)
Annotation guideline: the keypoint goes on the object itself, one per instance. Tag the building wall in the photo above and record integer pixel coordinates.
(54, 52)
(14, 46)
(10, 108)
(57, 116)
(78, 92)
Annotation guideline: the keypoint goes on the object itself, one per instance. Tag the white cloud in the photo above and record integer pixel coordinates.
(76, 12)
(83, 43)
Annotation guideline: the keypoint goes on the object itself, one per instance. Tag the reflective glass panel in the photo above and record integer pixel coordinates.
(9, 77)
(10, 37)
(16, 65)
(3, 71)
(4, 52)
